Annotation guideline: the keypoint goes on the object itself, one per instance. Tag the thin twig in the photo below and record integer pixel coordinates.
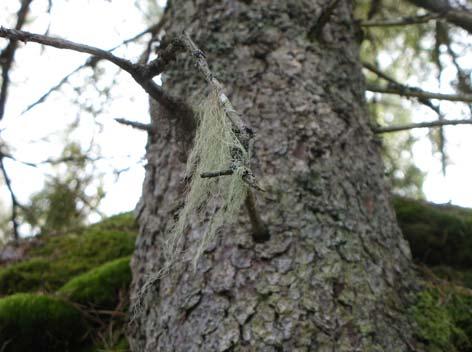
(394, 83)
(217, 173)
(91, 61)
(138, 125)
(438, 123)
(137, 71)
(418, 93)
(15, 204)
(8, 54)
(59, 43)
(403, 21)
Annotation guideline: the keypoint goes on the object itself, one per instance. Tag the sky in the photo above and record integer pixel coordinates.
(38, 134)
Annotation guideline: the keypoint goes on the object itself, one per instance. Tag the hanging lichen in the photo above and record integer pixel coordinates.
(212, 201)
(216, 148)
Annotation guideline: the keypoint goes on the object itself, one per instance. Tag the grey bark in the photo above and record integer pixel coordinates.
(336, 274)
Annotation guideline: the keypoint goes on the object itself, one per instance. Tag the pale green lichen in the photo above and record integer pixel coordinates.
(216, 148)
(211, 201)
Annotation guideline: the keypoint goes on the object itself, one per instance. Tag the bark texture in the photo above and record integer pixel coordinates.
(336, 272)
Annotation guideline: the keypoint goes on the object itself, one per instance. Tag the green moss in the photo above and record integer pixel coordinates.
(438, 234)
(458, 277)
(39, 323)
(122, 222)
(444, 320)
(100, 287)
(57, 259)
(121, 345)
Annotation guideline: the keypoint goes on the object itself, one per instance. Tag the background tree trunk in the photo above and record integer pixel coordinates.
(336, 273)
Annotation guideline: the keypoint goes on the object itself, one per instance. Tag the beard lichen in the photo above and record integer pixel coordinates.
(211, 202)
(216, 147)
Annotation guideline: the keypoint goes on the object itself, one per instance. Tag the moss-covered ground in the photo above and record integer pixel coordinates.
(70, 291)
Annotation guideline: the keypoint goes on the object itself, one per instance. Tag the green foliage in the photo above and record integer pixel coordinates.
(59, 258)
(443, 319)
(39, 323)
(438, 234)
(100, 286)
(64, 203)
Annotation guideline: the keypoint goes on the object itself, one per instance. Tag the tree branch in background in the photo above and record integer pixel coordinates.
(8, 54)
(137, 71)
(395, 83)
(90, 62)
(143, 73)
(438, 123)
(16, 35)
(459, 17)
(418, 93)
(403, 21)
(15, 204)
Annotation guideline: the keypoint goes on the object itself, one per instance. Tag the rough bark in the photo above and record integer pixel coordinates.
(336, 273)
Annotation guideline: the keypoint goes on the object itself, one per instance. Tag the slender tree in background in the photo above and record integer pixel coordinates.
(335, 272)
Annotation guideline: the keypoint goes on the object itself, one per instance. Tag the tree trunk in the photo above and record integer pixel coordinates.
(336, 274)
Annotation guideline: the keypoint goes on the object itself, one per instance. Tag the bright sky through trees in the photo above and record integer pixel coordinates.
(39, 134)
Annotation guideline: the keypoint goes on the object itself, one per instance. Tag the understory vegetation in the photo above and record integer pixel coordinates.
(70, 292)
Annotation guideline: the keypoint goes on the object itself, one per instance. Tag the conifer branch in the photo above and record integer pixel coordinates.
(418, 93)
(438, 123)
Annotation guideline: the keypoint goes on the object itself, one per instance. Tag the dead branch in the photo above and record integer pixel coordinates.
(418, 93)
(402, 21)
(395, 83)
(8, 54)
(91, 61)
(134, 124)
(15, 204)
(458, 16)
(438, 123)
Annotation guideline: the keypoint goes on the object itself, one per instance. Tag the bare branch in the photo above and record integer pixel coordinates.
(459, 17)
(134, 124)
(53, 89)
(394, 83)
(137, 71)
(217, 173)
(90, 62)
(403, 21)
(8, 54)
(438, 123)
(418, 93)
(15, 204)
(59, 43)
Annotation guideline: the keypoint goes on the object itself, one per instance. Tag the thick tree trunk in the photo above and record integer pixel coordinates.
(336, 273)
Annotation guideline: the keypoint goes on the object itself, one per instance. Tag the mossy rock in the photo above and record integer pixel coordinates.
(438, 234)
(100, 286)
(57, 259)
(40, 323)
(443, 318)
